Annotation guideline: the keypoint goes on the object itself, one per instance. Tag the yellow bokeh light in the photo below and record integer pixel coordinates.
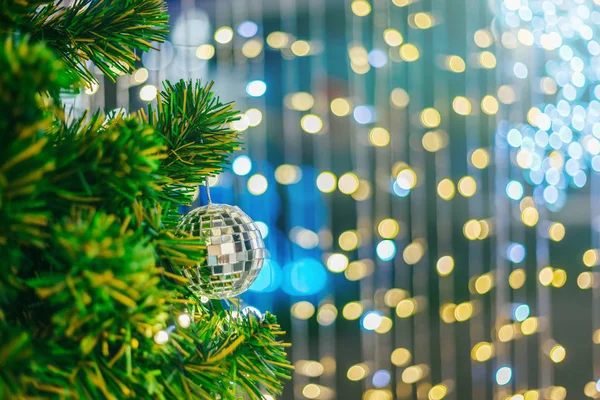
(148, 92)
(361, 8)
(532, 115)
(348, 183)
(300, 48)
(311, 391)
(487, 59)
(385, 326)
(337, 262)
(467, 186)
(340, 107)
(484, 283)
(401, 357)
(407, 179)
(455, 64)
(388, 228)
(423, 20)
(529, 326)
(360, 69)
(287, 174)
(480, 158)
(140, 76)
(301, 101)
(463, 311)
(559, 278)
(506, 94)
(472, 229)
(257, 184)
(359, 55)
(485, 229)
(590, 258)
(590, 389)
(447, 313)
(327, 314)
(482, 351)
(311, 123)
(348, 240)
(379, 137)
(252, 48)
(413, 253)
(596, 336)
(309, 368)
(392, 37)
(546, 275)
(517, 278)
(530, 216)
(461, 105)
(430, 118)
(531, 395)
(406, 308)
(558, 354)
(409, 52)
(399, 98)
(525, 37)
(205, 51)
(445, 265)
(394, 296)
(483, 38)
(437, 392)
(445, 189)
(326, 182)
(506, 333)
(224, 34)
(489, 105)
(412, 374)
(357, 270)
(434, 140)
(556, 231)
(401, 3)
(585, 280)
(278, 40)
(254, 116)
(303, 310)
(352, 311)
(363, 192)
(357, 372)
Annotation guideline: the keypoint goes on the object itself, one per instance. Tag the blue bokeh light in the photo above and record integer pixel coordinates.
(304, 277)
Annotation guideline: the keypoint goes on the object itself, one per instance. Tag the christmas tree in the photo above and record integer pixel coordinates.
(93, 299)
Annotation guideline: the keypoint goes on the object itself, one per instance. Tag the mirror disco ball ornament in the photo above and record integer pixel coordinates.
(234, 250)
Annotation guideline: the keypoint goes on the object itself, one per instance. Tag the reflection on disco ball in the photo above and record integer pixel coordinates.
(560, 143)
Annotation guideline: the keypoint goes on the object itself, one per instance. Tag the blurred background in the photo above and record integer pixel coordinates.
(425, 176)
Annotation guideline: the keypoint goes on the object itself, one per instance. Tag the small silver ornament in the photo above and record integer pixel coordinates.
(234, 246)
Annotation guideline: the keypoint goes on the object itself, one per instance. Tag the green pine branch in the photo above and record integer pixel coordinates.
(90, 265)
(199, 138)
(104, 32)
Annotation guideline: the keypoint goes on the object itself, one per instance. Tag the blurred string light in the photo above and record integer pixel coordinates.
(256, 88)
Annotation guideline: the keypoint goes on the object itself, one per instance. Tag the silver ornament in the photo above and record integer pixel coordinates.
(234, 246)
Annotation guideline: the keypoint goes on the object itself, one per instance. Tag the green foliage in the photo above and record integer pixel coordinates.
(89, 261)
(199, 139)
(105, 32)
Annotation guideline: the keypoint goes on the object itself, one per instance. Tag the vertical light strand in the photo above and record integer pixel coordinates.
(360, 164)
(418, 197)
(400, 128)
(443, 172)
(473, 124)
(322, 156)
(292, 154)
(501, 205)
